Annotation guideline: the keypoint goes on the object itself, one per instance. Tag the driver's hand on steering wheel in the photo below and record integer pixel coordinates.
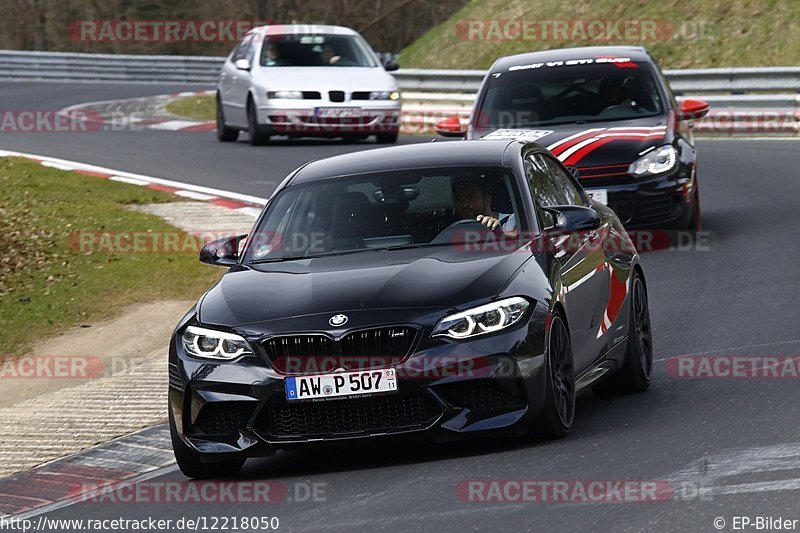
(494, 224)
(488, 221)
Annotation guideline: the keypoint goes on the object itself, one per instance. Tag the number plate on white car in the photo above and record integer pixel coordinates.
(341, 384)
(338, 112)
(598, 195)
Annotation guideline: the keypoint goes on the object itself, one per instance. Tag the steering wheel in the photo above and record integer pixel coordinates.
(464, 222)
(572, 89)
(612, 108)
(447, 234)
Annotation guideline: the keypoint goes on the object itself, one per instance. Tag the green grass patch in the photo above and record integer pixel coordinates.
(716, 33)
(194, 107)
(48, 283)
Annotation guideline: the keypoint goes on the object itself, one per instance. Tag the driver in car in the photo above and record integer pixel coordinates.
(472, 201)
(273, 56)
(614, 91)
(328, 55)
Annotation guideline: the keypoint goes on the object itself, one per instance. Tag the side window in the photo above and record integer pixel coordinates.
(242, 51)
(564, 183)
(543, 189)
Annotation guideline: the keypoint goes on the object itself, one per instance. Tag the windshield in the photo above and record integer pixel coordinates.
(542, 95)
(383, 211)
(316, 51)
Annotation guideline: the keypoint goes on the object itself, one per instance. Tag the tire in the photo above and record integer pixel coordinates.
(258, 136)
(192, 465)
(224, 133)
(558, 413)
(637, 369)
(387, 138)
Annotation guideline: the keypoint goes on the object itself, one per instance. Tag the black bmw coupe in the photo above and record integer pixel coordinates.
(431, 291)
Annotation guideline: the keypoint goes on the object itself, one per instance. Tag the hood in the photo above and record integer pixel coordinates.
(592, 144)
(324, 79)
(441, 278)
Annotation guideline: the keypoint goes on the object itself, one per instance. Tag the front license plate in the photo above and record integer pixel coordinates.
(338, 112)
(598, 195)
(341, 384)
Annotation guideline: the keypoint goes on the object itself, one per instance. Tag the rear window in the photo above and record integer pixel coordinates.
(540, 94)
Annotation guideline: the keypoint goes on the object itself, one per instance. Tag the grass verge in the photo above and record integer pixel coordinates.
(48, 283)
(194, 107)
(689, 34)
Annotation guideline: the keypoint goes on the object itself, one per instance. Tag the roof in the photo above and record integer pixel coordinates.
(635, 53)
(418, 155)
(304, 29)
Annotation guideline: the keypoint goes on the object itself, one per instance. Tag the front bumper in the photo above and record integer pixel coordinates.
(663, 201)
(330, 119)
(446, 390)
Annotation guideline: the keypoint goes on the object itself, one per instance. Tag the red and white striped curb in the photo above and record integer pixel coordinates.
(137, 457)
(168, 122)
(181, 125)
(242, 203)
(184, 125)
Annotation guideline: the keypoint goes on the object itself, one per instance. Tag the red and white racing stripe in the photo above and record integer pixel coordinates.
(575, 147)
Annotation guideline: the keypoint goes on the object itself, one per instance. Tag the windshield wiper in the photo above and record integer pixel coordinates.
(277, 259)
(314, 256)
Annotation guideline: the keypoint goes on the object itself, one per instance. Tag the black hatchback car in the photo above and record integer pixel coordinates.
(439, 290)
(609, 115)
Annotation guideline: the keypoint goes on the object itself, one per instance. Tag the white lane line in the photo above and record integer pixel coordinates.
(743, 347)
(725, 472)
(758, 487)
(245, 198)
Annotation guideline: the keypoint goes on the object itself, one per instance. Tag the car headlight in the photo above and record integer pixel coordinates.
(285, 95)
(213, 344)
(655, 161)
(484, 319)
(384, 95)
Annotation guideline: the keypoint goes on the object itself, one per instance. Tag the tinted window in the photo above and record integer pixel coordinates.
(377, 211)
(562, 94)
(563, 182)
(243, 50)
(543, 187)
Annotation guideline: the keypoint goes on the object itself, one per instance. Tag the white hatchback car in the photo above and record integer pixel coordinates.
(306, 81)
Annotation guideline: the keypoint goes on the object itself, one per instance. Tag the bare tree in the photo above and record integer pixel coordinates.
(389, 26)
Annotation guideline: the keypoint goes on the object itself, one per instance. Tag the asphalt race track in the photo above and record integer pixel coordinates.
(735, 294)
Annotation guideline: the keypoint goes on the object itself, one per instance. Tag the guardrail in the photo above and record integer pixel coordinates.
(430, 90)
(110, 68)
(61, 66)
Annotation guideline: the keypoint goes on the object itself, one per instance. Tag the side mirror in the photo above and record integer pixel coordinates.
(450, 127)
(222, 252)
(242, 64)
(390, 65)
(692, 108)
(569, 218)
